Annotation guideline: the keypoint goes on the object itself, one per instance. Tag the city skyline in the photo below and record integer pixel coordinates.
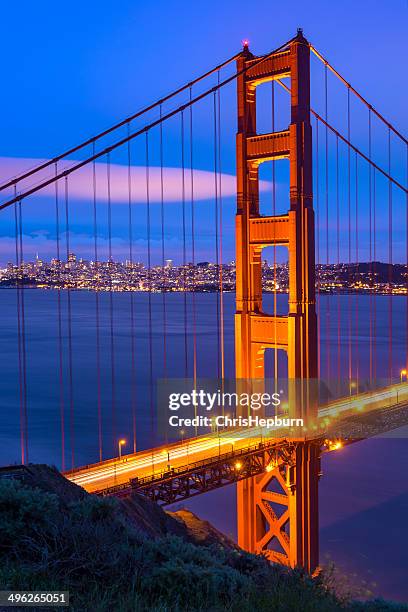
(111, 275)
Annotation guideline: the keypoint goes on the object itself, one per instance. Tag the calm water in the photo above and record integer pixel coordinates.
(364, 491)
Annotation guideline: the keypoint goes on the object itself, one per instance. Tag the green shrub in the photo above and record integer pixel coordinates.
(25, 513)
(90, 549)
(95, 509)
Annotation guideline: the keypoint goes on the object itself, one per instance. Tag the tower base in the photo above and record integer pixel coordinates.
(278, 510)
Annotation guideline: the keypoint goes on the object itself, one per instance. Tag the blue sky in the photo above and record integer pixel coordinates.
(71, 70)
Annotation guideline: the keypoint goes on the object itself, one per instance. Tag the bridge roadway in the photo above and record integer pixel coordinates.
(154, 462)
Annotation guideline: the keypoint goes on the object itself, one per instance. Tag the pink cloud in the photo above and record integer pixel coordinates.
(81, 181)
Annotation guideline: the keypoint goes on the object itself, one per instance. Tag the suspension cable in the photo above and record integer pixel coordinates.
(356, 93)
(115, 127)
(142, 130)
(347, 142)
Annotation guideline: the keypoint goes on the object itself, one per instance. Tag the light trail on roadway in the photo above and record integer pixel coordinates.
(155, 461)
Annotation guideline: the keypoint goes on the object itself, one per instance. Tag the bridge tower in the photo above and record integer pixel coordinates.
(278, 511)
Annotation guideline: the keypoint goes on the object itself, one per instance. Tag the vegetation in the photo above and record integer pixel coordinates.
(91, 548)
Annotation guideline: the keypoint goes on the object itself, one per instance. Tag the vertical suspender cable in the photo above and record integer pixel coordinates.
(274, 250)
(19, 347)
(338, 259)
(216, 232)
(149, 280)
(318, 248)
(69, 313)
(162, 219)
(374, 275)
(390, 275)
(23, 333)
(183, 199)
(193, 256)
(132, 306)
(60, 349)
(356, 343)
(97, 316)
(370, 248)
(193, 249)
(350, 370)
(221, 283)
(111, 321)
(327, 219)
(406, 263)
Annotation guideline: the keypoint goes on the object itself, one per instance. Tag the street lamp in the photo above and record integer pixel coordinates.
(120, 444)
(182, 435)
(403, 373)
(167, 452)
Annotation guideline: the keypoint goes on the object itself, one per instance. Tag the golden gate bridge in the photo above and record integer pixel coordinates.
(333, 210)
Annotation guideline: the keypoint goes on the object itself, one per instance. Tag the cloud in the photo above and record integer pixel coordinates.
(80, 182)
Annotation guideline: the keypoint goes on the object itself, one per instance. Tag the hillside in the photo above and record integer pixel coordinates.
(127, 555)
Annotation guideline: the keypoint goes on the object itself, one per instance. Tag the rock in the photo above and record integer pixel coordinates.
(202, 532)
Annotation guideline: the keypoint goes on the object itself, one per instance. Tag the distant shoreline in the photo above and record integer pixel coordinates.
(264, 291)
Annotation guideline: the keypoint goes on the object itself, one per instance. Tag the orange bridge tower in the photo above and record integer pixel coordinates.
(278, 511)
